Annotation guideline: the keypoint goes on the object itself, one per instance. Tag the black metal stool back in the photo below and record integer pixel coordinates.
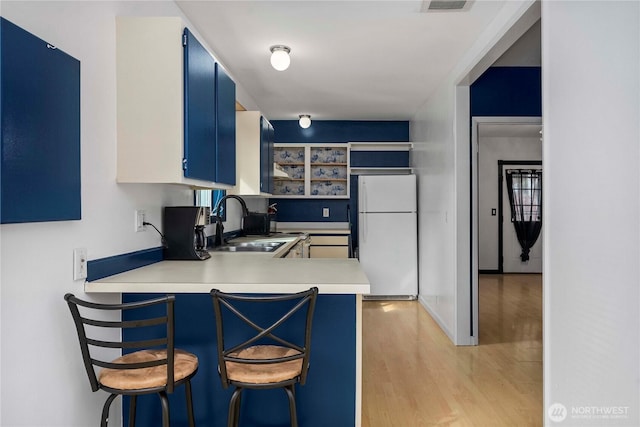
(264, 359)
(146, 368)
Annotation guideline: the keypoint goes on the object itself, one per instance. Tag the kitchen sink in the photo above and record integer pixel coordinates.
(249, 247)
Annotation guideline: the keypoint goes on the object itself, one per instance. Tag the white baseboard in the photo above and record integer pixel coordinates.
(437, 318)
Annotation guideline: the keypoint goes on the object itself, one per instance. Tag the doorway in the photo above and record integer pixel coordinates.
(493, 139)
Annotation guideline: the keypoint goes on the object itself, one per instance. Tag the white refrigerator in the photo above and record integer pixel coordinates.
(388, 234)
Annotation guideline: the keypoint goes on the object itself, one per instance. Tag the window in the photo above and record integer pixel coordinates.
(526, 194)
(210, 198)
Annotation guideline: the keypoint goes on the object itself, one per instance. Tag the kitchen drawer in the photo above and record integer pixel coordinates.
(329, 252)
(329, 240)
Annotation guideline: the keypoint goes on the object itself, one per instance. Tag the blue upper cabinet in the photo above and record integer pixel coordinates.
(266, 156)
(225, 127)
(40, 110)
(174, 126)
(199, 110)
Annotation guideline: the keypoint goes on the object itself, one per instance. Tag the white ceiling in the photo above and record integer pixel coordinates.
(350, 60)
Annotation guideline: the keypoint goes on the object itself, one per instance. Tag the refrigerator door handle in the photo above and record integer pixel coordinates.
(364, 196)
(365, 231)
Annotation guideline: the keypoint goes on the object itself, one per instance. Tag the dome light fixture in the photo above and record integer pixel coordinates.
(305, 121)
(280, 59)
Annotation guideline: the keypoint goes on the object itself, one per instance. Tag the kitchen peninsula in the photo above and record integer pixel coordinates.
(332, 395)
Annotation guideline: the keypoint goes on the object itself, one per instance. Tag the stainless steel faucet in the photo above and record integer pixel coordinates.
(216, 213)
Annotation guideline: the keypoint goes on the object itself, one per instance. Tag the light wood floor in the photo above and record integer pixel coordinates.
(414, 376)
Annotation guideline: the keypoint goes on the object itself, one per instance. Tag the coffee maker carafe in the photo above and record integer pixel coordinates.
(184, 234)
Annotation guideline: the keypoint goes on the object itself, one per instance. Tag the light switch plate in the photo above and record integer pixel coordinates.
(325, 212)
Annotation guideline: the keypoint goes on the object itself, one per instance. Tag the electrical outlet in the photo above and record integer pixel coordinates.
(79, 263)
(140, 219)
(325, 212)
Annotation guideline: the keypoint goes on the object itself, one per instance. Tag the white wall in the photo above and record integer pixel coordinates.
(433, 161)
(490, 150)
(42, 380)
(525, 52)
(441, 134)
(591, 105)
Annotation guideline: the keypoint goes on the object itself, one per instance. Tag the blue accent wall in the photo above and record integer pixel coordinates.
(310, 210)
(104, 267)
(380, 159)
(507, 91)
(335, 131)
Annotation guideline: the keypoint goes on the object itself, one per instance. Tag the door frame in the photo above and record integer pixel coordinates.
(475, 123)
(502, 163)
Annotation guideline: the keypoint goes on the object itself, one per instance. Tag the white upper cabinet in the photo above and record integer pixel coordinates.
(165, 75)
(254, 144)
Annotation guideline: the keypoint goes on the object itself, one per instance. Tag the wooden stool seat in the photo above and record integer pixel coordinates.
(184, 365)
(264, 373)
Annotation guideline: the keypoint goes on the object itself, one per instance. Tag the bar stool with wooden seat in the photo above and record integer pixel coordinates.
(156, 366)
(264, 360)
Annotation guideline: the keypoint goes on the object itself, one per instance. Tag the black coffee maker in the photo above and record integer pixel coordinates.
(184, 234)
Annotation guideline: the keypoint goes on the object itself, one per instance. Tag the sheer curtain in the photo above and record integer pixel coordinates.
(525, 196)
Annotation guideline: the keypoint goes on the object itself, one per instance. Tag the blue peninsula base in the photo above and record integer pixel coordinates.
(327, 399)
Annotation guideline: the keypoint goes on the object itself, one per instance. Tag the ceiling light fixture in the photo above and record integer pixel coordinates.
(305, 121)
(280, 59)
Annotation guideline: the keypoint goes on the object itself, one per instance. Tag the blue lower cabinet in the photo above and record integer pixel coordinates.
(327, 399)
(40, 110)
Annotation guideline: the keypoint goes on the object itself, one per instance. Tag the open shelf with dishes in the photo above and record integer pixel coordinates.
(313, 170)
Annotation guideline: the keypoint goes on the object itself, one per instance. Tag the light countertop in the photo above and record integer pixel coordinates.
(245, 272)
(315, 227)
(317, 231)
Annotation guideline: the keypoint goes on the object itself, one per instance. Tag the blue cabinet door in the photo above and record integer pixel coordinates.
(199, 111)
(266, 156)
(225, 127)
(270, 159)
(40, 110)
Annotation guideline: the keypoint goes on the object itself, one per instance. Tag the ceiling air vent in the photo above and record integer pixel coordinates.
(444, 5)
